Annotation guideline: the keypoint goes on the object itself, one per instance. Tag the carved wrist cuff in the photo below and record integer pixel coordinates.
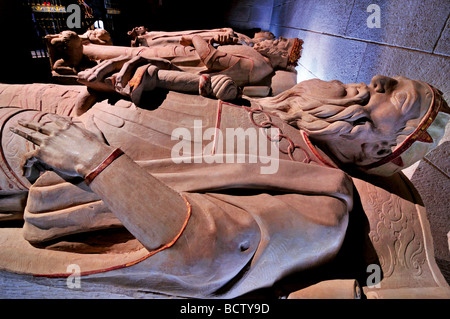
(111, 158)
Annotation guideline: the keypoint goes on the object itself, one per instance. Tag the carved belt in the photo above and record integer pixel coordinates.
(266, 123)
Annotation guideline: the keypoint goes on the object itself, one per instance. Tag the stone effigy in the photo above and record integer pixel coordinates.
(141, 36)
(190, 52)
(189, 216)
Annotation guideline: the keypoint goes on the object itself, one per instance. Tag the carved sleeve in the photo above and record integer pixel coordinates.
(213, 59)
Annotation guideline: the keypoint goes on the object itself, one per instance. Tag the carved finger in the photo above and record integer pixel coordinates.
(118, 62)
(127, 71)
(100, 71)
(84, 75)
(94, 68)
(108, 67)
(122, 58)
(38, 127)
(32, 136)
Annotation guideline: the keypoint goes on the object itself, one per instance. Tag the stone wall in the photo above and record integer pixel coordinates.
(412, 40)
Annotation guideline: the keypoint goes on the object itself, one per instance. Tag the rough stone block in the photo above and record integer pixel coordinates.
(331, 58)
(325, 57)
(404, 23)
(443, 45)
(439, 158)
(433, 187)
(315, 15)
(282, 15)
(284, 32)
(261, 14)
(391, 61)
(239, 13)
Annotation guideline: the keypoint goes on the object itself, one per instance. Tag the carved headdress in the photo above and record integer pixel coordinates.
(416, 145)
(295, 52)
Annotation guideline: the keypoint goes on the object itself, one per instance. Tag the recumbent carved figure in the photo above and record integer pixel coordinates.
(203, 226)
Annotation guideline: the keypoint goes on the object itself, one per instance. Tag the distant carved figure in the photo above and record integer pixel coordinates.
(197, 59)
(141, 36)
(245, 65)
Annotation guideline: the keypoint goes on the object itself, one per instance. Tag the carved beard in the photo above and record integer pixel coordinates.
(269, 50)
(333, 115)
(322, 108)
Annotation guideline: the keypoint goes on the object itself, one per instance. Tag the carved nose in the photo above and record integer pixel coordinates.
(381, 84)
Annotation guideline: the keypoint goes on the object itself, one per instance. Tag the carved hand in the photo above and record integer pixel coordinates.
(225, 38)
(113, 75)
(101, 77)
(64, 146)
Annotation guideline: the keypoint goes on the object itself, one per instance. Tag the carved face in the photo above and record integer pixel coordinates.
(277, 50)
(356, 123)
(391, 105)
